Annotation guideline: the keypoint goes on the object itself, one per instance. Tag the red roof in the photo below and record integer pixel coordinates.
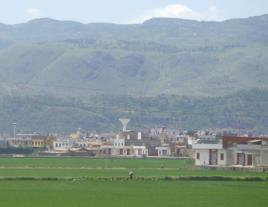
(229, 140)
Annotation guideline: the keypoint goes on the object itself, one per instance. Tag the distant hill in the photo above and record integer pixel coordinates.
(244, 110)
(197, 66)
(160, 56)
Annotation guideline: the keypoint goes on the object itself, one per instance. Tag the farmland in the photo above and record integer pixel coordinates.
(90, 192)
(147, 193)
(84, 167)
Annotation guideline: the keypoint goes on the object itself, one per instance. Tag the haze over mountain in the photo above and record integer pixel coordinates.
(162, 56)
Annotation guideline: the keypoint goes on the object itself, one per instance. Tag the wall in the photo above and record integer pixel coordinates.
(264, 157)
(203, 158)
(119, 142)
(230, 157)
(207, 146)
(61, 145)
(222, 162)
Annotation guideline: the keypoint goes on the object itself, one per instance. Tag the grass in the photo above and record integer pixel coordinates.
(81, 167)
(137, 193)
(73, 162)
(90, 192)
(118, 172)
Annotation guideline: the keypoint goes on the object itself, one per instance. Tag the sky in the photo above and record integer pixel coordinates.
(128, 11)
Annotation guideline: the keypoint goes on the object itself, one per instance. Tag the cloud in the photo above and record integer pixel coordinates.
(33, 13)
(180, 11)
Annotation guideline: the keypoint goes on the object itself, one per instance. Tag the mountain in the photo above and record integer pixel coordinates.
(160, 57)
(246, 110)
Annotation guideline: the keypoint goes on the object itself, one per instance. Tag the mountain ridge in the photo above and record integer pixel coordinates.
(48, 19)
(155, 57)
(64, 74)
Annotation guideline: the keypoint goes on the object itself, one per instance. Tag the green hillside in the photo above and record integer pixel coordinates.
(245, 110)
(65, 75)
(160, 56)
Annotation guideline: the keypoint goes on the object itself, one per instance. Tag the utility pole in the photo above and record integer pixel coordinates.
(239, 127)
(14, 129)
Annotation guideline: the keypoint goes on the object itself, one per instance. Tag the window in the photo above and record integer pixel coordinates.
(222, 156)
(197, 155)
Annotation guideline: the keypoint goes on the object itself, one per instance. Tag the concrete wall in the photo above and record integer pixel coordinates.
(230, 157)
(264, 157)
(222, 162)
(203, 157)
(207, 146)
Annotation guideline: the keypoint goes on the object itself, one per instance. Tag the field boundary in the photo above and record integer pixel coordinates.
(22, 156)
(147, 178)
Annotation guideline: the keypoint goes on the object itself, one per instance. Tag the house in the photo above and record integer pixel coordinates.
(39, 141)
(232, 151)
(247, 151)
(94, 144)
(80, 144)
(209, 154)
(163, 151)
(28, 141)
(180, 150)
(139, 151)
(20, 142)
(146, 140)
(118, 147)
(62, 145)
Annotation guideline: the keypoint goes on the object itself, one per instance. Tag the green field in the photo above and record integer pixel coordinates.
(137, 193)
(82, 192)
(88, 167)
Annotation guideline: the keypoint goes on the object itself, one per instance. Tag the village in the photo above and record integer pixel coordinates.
(208, 148)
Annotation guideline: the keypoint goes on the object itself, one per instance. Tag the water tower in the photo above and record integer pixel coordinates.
(124, 122)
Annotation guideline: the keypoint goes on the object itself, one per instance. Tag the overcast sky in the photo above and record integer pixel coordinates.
(128, 11)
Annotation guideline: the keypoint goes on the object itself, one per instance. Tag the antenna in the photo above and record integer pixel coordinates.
(124, 122)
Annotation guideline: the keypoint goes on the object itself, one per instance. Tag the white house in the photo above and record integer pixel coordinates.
(62, 145)
(118, 148)
(139, 151)
(232, 151)
(163, 151)
(209, 154)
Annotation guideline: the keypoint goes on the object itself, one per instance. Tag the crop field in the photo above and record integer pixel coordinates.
(78, 192)
(88, 167)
